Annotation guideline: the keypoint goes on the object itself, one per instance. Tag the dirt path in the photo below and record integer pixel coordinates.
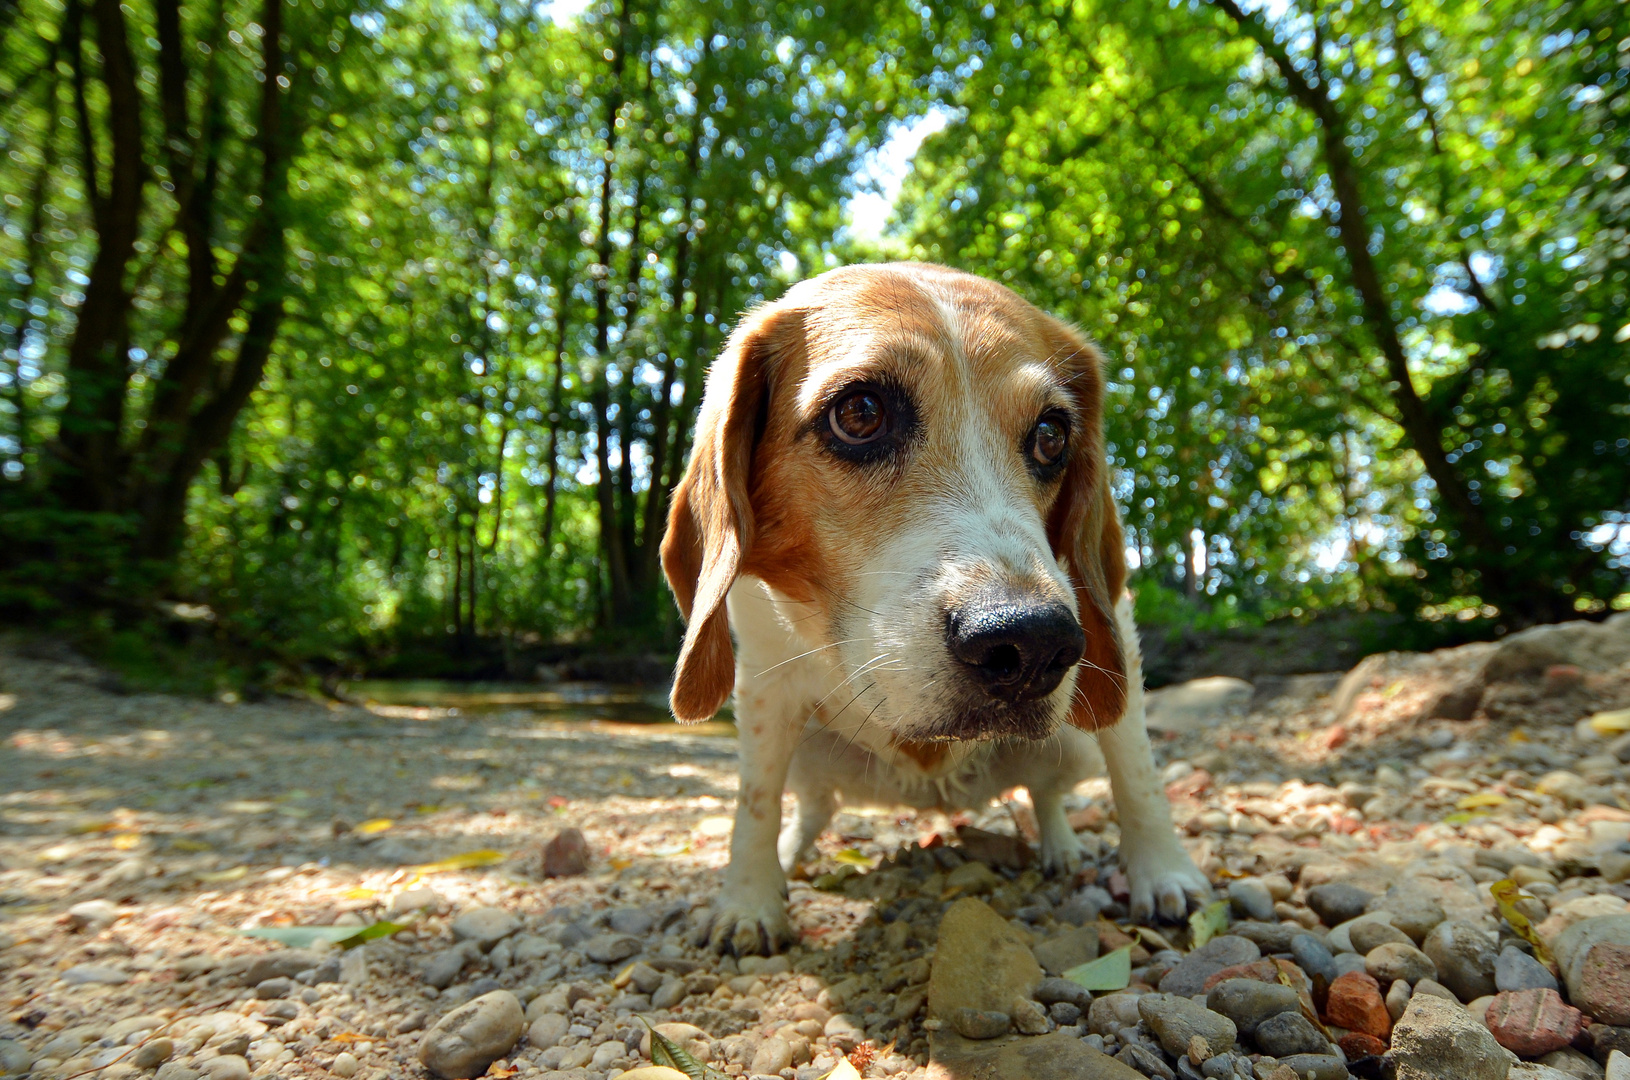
(140, 834)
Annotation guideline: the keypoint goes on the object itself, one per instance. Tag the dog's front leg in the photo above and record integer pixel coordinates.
(1161, 876)
(750, 914)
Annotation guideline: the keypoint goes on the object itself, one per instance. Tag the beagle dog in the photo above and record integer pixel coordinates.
(899, 503)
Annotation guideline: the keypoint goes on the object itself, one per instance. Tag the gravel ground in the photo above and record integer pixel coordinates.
(140, 835)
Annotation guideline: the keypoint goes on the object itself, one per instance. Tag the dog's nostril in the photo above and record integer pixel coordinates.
(1017, 651)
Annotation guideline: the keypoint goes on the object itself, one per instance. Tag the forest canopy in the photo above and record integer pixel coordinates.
(367, 326)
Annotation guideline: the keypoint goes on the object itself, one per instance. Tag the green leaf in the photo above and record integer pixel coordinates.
(303, 937)
(851, 857)
(664, 1051)
(1111, 971)
(1208, 922)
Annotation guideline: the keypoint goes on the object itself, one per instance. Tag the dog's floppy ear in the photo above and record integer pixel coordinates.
(1085, 530)
(710, 524)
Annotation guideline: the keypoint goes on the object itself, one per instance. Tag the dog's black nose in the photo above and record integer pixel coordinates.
(1016, 650)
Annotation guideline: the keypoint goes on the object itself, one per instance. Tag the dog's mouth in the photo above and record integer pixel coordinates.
(982, 722)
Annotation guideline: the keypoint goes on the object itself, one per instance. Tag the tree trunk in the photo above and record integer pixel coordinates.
(549, 495)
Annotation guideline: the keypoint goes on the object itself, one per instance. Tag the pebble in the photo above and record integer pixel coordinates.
(1395, 960)
(90, 916)
(1248, 1002)
(470, 1038)
(175, 1070)
(1355, 1003)
(1533, 1022)
(1251, 898)
(227, 1067)
(1317, 1067)
(1397, 1000)
(1147, 1062)
(773, 1055)
(1371, 934)
(1290, 1033)
(1189, 977)
(1056, 991)
(1028, 1017)
(1436, 1039)
(631, 921)
(610, 948)
(1516, 970)
(547, 1030)
(271, 989)
(14, 1058)
(1175, 1020)
(1618, 1066)
(1464, 955)
(1313, 956)
(485, 926)
(415, 899)
(153, 1053)
(96, 974)
(1338, 902)
(345, 1065)
(566, 855)
(980, 1023)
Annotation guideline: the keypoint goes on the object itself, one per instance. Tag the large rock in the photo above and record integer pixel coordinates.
(1465, 956)
(1592, 646)
(1196, 704)
(1059, 1056)
(981, 962)
(474, 1035)
(1189, 977)
(1175, 1020)
(1437, 1040)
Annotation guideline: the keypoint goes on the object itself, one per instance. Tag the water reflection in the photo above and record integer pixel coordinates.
(435, 699)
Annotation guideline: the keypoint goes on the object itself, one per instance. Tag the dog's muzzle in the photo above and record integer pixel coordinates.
(1012, 647)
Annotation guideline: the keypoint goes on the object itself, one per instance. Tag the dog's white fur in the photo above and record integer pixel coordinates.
(830, 695)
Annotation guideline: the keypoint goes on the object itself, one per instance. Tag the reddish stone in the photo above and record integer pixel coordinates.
(1604, 984)
(1190, 787)
(1356, 1044)
(1355, 1003)
(1533, 1022)
(1266, 969)
(567, 855)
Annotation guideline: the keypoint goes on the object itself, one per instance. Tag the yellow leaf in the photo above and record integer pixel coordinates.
(374, 826)
(183, 844)
(1482, 798)
(359, 894)
(1616, 722)
(1518, 736)
(1506, 894)
(1208, 922)
(467, 861)
(852, 857)
(621, 864)
(127, 840)
(224, 875)
(1464, 817)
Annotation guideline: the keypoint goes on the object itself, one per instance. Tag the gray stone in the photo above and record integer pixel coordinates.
(272, 989)
(81, 974)
(486, 926)
(471, 1037)
(610, 948)
(15, 1060)
(1516, 970)
(1198, 703)
(634, 921)
(1317, 1067)
(1248, 1002)
(772, 1055)
(1028, 1017)
(1269, 937)
(1175, 1020)
(1345, 962)
(1572, 1063)
(1059, 954)
(1337, 902)
(1112, 1012)
(1290, 1033)
(1251, 899)
(1147, 1062)
(645, 978)
(175, 1070)
(1413, 909)
(443, 966)
(1395, 960)
(547, 1030)
(91, 916)
(1313, 956)
(1064, 1014)
(670, 993)
(1436, 1039)
(152, 1053)
(980, 1023)
(285, 964)
(1189, 977)
(1372, 934)
(1053, 991)
(1059, 1056)
(227, 1067)
(1464, 954)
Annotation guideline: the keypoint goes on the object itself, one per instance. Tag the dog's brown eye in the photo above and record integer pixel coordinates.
(859, 418)
(1049, 441)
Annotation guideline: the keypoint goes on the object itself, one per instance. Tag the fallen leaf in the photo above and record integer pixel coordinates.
(346, 937)
(374, 826)
(126, 841)
(1209, 922)
(852, 857)
(467, 861)
(181, 843)
(233, 874)
(1614, 722)
(359, 894)
(1482, 798)
(1506, 894)
(1112, 971)
(664, 1051)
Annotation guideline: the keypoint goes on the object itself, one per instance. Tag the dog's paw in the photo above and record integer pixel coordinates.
(746, 927)
(1061, 855)
(1164, 883)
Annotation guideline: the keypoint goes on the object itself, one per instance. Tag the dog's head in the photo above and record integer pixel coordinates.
(915, 457)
